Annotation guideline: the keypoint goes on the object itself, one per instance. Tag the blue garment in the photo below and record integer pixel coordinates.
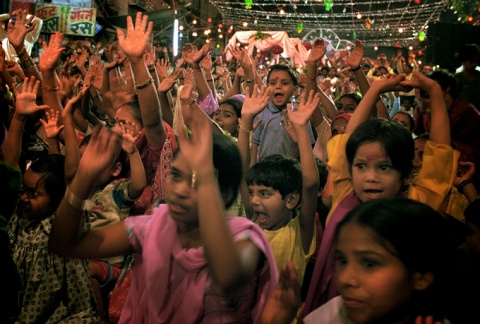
(270, 136)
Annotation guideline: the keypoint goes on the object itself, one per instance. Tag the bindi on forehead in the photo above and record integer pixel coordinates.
(374, 157)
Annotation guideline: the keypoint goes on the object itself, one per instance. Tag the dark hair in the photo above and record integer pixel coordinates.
(278, 172)
(134, 107)
(414, 233)
(425, 136)
(469, 52)
(228, 165)
(236, 105)
(446, 80)
(410, 119)
(395, 139)
(351, 95)
(52, 167)
(286, 68)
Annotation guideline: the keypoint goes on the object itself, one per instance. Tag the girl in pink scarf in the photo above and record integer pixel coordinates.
(192, 263)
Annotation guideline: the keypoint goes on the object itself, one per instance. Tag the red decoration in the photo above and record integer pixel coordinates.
(276, 49)
(417, 1)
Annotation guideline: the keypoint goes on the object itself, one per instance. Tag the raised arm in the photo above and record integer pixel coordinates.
(440, 123)
(310, 181)
(230, 263)
(133, 45)
(137, 170)
(252, 105)
(66, 237)
(354, 60)
(24, 106)
(193, 57)
(363, 111)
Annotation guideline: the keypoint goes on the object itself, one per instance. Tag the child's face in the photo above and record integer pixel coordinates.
(418, 155)
(269, 207)
(227, 118)
(403, 120)
(372, 281)
(181, 197)
(346, 105)
(34, 200)
(373, 175)
(282, 87)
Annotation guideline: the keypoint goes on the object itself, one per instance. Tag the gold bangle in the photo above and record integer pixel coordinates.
(144, 85)
(194, 179)
(50, 89)
(74, 201)
(244, 129)
(20, 54)
(26, 63)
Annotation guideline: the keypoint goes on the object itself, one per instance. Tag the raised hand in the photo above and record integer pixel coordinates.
(99, 154)
(168, 82)
(393, 82)
(193, 57)
(134, 43)
(242, 57)
(206, 62)
(255, 103)
(318, 50)
(129, 137)
(51, 52)
(162, 67)
(69, 108)
(51, 126)
(25, 104)
(465, 171)
(21, 27)
(283, 303)
(304, 111)
(420, 81)
(354, 59)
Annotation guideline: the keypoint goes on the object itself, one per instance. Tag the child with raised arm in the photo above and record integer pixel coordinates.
(53, 288)
(373, 159)
(277, 185)
(192, 264)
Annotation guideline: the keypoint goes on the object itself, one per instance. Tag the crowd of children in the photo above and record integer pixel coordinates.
(343, 193)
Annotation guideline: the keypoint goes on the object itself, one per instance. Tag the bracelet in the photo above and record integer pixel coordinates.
(20, 54)
(244, 129)
(152, 69)
(26, 63)
(74, 201)
(50, 89)
(208, 80)
(249, 81)
(144, 85)
(462, 184)
(356, 69)
(194, 179)
(192, 102)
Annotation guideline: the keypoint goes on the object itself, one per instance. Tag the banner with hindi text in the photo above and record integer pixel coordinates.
(79, 21)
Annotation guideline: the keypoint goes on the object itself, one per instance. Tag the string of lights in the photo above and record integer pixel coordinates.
(375, 22)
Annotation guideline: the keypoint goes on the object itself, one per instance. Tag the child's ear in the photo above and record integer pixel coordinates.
(292, 200)
(117, 168)
(421, 281)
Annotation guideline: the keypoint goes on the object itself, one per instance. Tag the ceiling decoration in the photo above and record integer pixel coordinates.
(375, 23)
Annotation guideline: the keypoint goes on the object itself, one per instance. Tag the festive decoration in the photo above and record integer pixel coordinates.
(248, 4)
(421, 36)
(368, 23)
(260, 36)
(354, 35)
(416, 1)
(299, 28)
(328, 4)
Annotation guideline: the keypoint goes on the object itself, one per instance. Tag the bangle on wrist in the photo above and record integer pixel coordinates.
(74, 201)
(244, 129)
(144, 85)
(152, 69)
(50, 88)
(249, 81)
(20, 54)
(26, 64)
(462, 185)
(208, 80)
